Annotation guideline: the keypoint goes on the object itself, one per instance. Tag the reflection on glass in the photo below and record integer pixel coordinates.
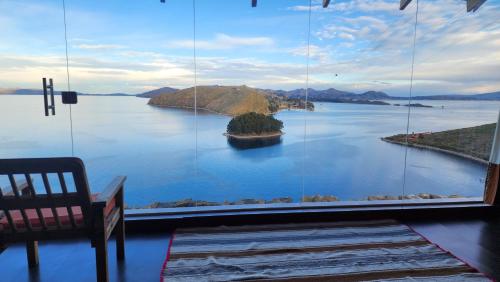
(241, 130)
(451, 135)
(359, 61)
(29, 51)
(245, 156)
(121, 53)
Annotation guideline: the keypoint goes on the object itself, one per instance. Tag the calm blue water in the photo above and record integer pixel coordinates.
(157, 149)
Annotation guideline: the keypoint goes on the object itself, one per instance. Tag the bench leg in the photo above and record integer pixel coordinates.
(2, 247)
(32, 253)
(120, 240)
(120, 228)
(101, 258)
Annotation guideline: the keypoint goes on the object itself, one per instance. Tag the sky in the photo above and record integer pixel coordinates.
(354, 45)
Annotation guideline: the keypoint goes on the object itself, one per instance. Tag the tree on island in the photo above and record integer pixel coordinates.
(254, 124)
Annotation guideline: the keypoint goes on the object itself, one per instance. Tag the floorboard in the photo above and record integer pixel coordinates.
(474, 241)
(477, 242)
(75, 261)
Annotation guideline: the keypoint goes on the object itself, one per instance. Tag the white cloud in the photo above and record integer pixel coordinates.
(104, 75)
(369, 5)
(456, 52)
(370, 49)
(301, 8)
(135, 54)
(98, 46)
(345, 35)
(223, 42)
(318, 53)
(354, 5)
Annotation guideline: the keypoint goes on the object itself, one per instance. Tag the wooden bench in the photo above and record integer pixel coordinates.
(30, 216)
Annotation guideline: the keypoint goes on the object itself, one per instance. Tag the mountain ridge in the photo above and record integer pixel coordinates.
(29, 92)
(156, 92)
(332, 93)
(313, 94)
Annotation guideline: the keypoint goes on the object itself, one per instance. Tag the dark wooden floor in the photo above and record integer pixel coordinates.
(475, 241)
(75, 261)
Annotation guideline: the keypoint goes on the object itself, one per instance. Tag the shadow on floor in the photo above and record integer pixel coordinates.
(74, 260)
(474, 241)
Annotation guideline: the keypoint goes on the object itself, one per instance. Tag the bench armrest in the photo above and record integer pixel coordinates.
(109, 192)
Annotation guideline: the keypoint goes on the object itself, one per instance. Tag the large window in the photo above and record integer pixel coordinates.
(359, 57)
(205, 103)
(452, 135)
(29, 51)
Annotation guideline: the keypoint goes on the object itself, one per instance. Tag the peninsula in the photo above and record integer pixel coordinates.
(472, 142)
(228, 100)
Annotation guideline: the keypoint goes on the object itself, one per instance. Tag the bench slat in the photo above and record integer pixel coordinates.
(48, 189)
(40, 201)
(13, 184)
(33, 195)
(64, 189)
(7, 214)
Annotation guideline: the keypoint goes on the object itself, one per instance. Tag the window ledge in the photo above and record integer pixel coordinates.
(340, 206)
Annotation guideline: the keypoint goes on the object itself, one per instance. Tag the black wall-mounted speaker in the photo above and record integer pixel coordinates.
(69, 97)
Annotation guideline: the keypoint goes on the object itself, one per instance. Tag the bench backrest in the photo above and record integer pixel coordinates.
(27, 204)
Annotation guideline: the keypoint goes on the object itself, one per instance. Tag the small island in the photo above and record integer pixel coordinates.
(414, 105)
(253, 130)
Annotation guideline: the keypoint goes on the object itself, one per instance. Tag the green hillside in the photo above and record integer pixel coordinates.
(471, 141)
(254, 124)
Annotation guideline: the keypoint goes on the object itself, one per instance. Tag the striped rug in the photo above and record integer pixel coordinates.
(343, 251)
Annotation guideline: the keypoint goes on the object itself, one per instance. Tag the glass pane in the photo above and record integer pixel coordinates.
(452, 119)
(120, 49)
(29, 51)
(245, 56)
(359, 59)
(149, 122)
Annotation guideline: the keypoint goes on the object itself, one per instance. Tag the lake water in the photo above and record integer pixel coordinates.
(157, 149)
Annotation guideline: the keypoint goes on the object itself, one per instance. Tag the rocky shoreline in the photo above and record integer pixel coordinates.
(431, 148)
(186, 203)
(254, 136)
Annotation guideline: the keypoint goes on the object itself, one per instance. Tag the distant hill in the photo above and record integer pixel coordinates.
(4, 91)
(11, 91)
(331, 95)
(157, 92)
(493, 96)
(229, 100)
(108, 94)
(313, 94)
(374, 95)
(339, 96)
(326, 95)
